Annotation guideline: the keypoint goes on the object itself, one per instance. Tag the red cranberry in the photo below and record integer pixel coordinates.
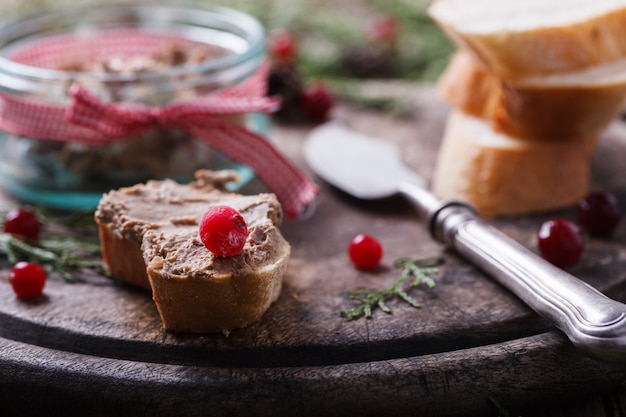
(223, 231)
(22, 222)
(598, 213)
(560, 242)
(365, 251)
(27, 279)
(383, 28)
(282, 46)
(317, 101)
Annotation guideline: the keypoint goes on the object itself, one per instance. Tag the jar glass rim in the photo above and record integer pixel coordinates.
(186, 21)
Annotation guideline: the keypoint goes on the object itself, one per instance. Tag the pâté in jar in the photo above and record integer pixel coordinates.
(100, 98)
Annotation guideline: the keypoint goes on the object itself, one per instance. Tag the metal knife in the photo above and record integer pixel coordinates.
(369, 168)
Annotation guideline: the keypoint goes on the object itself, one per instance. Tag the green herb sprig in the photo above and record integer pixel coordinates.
(420, 269)
(59, 256)
(66, 247)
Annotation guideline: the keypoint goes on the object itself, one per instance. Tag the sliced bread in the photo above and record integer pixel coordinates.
(566, 106)
(150, 239)
(504, 176)
(516, 39)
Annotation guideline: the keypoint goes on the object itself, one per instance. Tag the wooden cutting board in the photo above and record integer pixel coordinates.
(97, 348)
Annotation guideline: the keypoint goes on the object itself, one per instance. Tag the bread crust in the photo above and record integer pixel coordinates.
(149, 237)
(532, 109)
(513, 53)
(503, 176)
(123, 257)
(205, 304)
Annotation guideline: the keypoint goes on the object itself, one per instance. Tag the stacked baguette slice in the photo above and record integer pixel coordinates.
(517, 39)
(531, 87)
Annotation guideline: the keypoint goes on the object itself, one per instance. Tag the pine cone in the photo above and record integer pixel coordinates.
(368, 62)
(285, 82)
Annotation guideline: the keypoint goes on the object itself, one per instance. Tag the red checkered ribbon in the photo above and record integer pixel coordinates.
(91, 120)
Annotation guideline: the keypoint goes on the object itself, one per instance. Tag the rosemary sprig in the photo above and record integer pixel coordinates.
(66, 247)
(66, 257)
(420, 269)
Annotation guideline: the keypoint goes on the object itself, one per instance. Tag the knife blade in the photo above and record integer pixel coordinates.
(369, 168)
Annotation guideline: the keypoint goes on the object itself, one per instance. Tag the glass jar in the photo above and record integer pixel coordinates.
(152, 55)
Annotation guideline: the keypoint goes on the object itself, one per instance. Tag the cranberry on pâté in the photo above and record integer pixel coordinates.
(223, 231)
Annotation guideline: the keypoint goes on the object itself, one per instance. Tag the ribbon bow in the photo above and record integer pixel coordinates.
(94, 121)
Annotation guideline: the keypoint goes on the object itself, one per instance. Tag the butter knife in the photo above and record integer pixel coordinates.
(369, 168)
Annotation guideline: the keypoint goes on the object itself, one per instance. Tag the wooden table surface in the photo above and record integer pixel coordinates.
(97, 348)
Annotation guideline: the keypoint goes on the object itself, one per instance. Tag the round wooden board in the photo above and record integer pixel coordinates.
(97, 348)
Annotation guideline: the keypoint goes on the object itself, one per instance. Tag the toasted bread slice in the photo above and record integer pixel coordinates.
(569, 106)
(517, 39)
(216, 299)
(503, 176)
(150, 239)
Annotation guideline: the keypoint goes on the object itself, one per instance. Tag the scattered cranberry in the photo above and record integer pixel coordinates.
(27, 279)
(383, 28)
(317, 101)
(598, 213)
(560, 242)
(223, 231)
(365, 251)
(22, 222)
(282, 46)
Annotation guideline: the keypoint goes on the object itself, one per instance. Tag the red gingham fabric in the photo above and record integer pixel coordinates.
(91, 120)
(59, 51)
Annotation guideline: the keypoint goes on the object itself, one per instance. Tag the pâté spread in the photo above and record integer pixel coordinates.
(150, 239)
(163, 217)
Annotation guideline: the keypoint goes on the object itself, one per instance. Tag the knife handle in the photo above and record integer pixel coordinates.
(593, 322)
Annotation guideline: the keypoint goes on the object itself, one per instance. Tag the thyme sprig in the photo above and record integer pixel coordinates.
(420, 269)
(66, 247)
